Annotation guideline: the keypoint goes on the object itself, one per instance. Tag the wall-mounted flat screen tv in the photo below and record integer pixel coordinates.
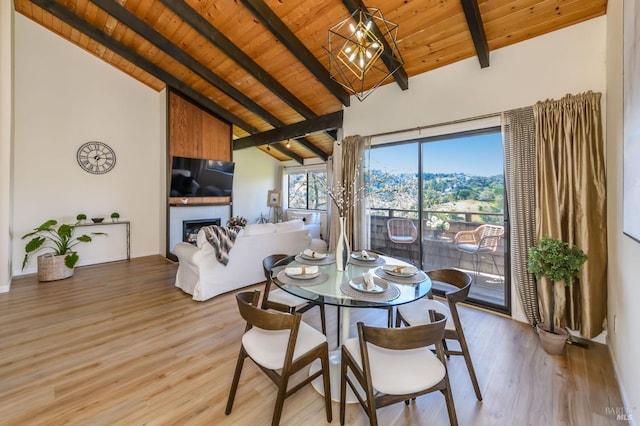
(196, 177)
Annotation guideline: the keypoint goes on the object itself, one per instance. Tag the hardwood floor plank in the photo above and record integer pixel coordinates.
(118, 344)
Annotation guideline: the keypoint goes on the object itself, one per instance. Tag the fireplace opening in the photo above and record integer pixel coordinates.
(190, 228)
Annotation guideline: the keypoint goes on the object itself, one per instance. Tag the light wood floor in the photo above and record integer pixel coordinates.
(118, 344)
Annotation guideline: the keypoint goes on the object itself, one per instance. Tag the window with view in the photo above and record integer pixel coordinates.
(307, 190)
(452, 188)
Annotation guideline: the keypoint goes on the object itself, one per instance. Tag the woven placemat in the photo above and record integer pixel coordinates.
(286, 279)
(391, 293)
(378, 262)
(331, 258)
(414, 279)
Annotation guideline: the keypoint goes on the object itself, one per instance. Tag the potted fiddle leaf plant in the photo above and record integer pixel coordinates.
(559, 262)
(81, 218)
(60, 241)
(115, 216)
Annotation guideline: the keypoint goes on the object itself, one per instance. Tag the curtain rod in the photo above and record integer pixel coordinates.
(429, 126)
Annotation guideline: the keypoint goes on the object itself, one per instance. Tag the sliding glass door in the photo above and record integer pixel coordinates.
(458, 182)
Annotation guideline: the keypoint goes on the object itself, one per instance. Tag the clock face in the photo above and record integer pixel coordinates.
(96, 157)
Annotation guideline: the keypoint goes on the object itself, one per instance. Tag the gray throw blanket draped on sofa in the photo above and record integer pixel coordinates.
(221, 239)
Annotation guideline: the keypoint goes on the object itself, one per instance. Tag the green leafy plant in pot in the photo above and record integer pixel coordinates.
(60, 241)
(559, 262)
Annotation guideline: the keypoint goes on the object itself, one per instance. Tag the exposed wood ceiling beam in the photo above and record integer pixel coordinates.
(84, 27)
(96, 34)
(204, 27)
(474, 21)
(123, 15)
(286, 152)
(390, 61)
(292, 131)
(270, 20)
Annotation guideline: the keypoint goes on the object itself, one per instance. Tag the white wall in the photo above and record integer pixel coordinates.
(571, 60)
(255, 174)
(65, 97)
(6, 141)
(623, 291)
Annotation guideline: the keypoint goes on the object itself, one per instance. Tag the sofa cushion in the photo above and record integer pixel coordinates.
(259, 229)
(307, 217)
(291, 225)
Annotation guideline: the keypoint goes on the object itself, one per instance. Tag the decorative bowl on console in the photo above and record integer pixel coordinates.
(97, 219)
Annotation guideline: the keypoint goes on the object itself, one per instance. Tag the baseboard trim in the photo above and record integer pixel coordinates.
(631, 416)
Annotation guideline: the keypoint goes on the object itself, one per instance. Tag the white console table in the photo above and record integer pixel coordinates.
(120, 222)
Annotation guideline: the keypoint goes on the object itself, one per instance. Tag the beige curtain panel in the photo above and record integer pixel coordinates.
(518, 129)
(571, 204)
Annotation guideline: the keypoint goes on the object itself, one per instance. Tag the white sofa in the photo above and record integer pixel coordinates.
(313, 223)
(202, 276)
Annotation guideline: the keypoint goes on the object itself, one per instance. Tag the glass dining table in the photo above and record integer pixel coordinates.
(394, 285)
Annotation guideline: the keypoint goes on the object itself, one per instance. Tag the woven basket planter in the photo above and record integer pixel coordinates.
(52, 268)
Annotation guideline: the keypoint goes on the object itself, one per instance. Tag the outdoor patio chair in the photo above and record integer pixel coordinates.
(482, 240)
(402, 231)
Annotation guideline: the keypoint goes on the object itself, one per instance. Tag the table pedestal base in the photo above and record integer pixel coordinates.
(335, 359)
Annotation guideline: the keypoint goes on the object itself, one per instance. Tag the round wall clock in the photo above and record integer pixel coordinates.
(96, 157)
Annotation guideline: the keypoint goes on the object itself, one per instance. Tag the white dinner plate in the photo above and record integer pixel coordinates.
(304, 276)
(358, 256)
(399, 274)
(304, 256)
(380, 285)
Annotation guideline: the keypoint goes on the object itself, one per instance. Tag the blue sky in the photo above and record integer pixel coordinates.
(478, 155)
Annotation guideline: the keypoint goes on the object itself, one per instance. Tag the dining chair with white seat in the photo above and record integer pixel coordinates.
(395, 364)
(280, 344)
(417, 313)
(283, 301)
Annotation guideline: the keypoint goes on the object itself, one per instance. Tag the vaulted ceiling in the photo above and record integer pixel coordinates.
(260, 64)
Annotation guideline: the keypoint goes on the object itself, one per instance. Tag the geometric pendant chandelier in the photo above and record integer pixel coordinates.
(357, 48)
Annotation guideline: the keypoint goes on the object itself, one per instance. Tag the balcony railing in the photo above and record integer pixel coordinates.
(440, 252)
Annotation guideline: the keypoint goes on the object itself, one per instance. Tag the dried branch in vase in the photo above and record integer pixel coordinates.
(345, 199)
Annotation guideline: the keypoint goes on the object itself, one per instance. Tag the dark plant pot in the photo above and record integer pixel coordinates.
(553, 344)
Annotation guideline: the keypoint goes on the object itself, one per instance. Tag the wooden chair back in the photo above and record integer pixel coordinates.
(404, 338)
(267, 264)
(266, 320)
(459, 279)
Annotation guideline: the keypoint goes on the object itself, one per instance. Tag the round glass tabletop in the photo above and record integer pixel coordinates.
(344, 288)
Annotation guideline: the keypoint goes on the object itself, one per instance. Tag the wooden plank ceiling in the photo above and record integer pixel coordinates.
(261, 64)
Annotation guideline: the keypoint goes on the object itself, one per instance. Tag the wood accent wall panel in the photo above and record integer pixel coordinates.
(195, 133)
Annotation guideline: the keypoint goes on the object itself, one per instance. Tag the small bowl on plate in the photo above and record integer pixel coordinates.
(97, 219)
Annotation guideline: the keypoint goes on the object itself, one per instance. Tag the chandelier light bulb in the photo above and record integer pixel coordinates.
(347, 49)
(352, 57)
(352, 28)
(368, 26)
(366, 52)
